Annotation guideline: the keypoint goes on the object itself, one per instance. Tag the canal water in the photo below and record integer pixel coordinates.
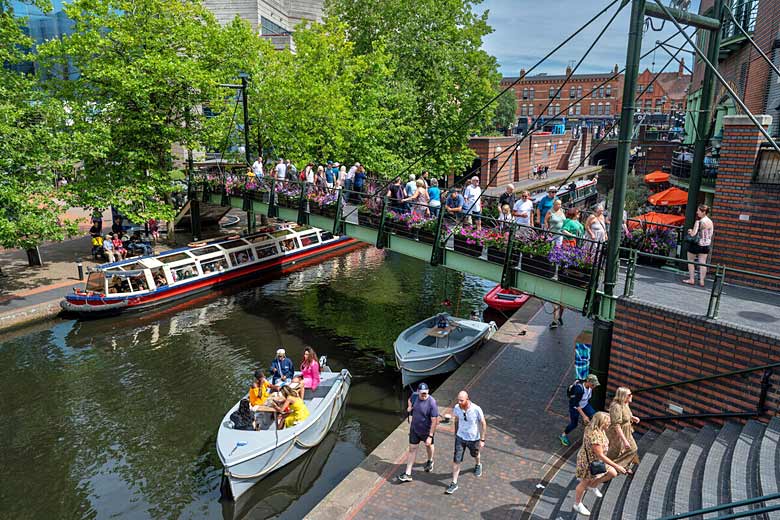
(118, 417)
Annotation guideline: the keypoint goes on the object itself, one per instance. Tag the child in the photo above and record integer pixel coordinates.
(505, 218)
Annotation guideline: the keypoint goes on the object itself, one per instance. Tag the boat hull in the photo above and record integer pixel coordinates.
(504, 304)
(87, 307)
(413, 371)
(239, 477)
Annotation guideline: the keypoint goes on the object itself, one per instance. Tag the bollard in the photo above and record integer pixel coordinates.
(80, 268)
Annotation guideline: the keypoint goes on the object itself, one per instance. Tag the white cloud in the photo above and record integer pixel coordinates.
(526, 30)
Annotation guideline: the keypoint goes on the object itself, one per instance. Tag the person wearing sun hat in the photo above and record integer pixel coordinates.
(282, 368)
(579, 394)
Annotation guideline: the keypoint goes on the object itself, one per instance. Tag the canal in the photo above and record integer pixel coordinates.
(118, 417)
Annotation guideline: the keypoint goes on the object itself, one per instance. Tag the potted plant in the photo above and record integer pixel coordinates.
(496, 242)
(575, 264)
(656, 240)
(534, 249)
(426, 229)
(399, 223)
(369, 211)
(468, 240)
(323, 203)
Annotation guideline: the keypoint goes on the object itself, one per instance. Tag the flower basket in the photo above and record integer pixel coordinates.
(325, 211)
(368, 220)
(425, 236)
(496, 255)
(575, 277)
(467, 246)
(400, 229)
(537, 265)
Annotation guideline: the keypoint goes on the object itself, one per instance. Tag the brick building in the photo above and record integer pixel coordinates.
(741, 65)
(667, 94)
(600, 107)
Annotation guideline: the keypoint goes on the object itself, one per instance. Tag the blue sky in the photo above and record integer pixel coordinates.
(525, 30)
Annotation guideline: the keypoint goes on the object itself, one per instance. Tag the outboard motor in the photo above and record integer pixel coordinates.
(324, 364)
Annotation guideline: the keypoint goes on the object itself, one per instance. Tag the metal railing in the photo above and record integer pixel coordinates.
(681, 167)
(733, 505)
(758, 411)
(745, 12)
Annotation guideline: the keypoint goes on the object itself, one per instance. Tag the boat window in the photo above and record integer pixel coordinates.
(282, 233)
(309, 239)
(288, 245)
(158, 275)
(135, 266)
(168, 259)
(263, 252)
(184, 272)
(326, 235)
(242, 257)
(205, 250)
(215, 265)
(233, 244)
(96, 282)
(259, 238)
(126, 281)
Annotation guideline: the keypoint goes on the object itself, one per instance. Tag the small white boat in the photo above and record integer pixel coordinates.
(248, 456)
(425, 349)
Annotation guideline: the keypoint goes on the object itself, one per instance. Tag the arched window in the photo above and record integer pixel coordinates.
(609, 91)
(592, 109)
(573, 92)
(531, 93)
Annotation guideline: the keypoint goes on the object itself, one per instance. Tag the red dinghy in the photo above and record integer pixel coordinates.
(505, 299)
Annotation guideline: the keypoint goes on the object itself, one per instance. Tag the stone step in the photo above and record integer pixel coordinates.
(744, 479)
(687, 496)
(635, 503)
(769, 462)
(556, 490)
(664, 482)
(611, 505)
(715, 487)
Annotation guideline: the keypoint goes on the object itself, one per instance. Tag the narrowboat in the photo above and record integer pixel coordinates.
(581, 194)
(505, 299)
(142, 282)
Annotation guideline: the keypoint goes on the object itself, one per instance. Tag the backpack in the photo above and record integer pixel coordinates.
(570, 393)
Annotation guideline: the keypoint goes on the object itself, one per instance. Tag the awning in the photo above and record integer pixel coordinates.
(670, 197)
(656, 177)
(656, 218)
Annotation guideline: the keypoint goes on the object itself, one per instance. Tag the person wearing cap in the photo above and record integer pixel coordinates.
(281, 368)
(579, 405)
(546, 204)
(331, 173)
(454, 204)
(470, 430)
(424, 420)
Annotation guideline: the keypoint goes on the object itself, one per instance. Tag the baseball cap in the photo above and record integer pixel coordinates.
(422, 387)
(281, 352)
(592, 379)
(552, 188)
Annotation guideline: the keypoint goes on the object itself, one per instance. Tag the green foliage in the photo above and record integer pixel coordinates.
(439, 66)
(505, 110)
(636, 194)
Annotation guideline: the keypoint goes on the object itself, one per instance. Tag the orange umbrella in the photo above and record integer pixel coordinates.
(670, 197)
(656, 218)
(656, 177)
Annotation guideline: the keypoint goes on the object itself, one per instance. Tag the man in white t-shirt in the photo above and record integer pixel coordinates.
(524, 210)
(281, 170)
(472, 196)
(470, 430)
(257, 167)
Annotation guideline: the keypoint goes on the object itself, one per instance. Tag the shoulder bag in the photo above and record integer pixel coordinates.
(595, 467)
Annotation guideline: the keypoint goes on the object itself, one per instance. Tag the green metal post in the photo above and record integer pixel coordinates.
(338, 227)
(303, 215)
(273, 210)
(508, 274)
(437, 254)
(381, 235)
(702, 126)
(602, 333)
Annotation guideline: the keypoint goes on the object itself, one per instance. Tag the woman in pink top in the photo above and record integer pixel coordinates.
(310, 369)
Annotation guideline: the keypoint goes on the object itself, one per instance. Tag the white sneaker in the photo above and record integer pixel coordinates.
(581, 509)
(597, 492)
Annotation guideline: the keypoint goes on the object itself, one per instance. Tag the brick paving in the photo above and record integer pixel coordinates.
(522, 392)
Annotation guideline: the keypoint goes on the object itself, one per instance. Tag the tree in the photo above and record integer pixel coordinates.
(145, 67)
(505, 110)
(435, 46)
(30, 152)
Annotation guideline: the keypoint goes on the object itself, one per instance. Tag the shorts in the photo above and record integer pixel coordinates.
(476, 215)
(416, 439)
(460, 449)
(696, 249)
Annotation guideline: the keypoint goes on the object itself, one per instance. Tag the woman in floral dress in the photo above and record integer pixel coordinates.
(622, 446)
(595, 445)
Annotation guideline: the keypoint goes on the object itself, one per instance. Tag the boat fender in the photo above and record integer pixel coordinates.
(196, 244)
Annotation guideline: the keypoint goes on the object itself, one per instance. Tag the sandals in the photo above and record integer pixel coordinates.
(688, 282)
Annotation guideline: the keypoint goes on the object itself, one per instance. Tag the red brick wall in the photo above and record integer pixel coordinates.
(547, 150)
(746, 215)
(652, 346)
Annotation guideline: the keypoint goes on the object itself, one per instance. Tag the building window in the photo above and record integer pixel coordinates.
(650, 88)
(600, 109)
(659, 102)
(579, 109)
(530, 110)
(607, 109)
(551, 110)
(592, 109)
(601, 91)
(531, 93)
(579, 91)
(648, 104)
(573, 92)
(767, 167)
(557, 108)
(269, 27)
(571, 110)
(552, 93)
(608, 92)
(594, 92)
(525, 93)
(523, 110)
(640, 87)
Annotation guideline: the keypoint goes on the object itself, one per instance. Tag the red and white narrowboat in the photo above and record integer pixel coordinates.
(505, 299)
(143, 282)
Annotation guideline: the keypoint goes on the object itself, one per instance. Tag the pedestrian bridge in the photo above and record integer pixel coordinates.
(522, 262)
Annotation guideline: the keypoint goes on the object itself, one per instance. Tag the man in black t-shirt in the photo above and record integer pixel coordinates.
(508, 197)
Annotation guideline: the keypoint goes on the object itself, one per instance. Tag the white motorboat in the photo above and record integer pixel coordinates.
(248, 456)
(426, 349)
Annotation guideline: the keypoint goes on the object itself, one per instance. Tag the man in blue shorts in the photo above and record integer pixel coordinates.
(425, 419)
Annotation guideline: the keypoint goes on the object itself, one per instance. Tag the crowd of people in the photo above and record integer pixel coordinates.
(279, 397)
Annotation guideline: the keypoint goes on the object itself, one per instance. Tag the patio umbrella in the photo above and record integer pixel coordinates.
(656, 218)
(670, 197)
(656, 177)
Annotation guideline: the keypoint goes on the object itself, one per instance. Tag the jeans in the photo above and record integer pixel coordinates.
(574, 417)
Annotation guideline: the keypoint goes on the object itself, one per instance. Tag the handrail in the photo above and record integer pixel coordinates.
(732, 505)
(707, 378)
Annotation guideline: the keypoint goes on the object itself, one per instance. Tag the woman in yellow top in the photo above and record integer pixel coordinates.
(297, 409)
(259, 391)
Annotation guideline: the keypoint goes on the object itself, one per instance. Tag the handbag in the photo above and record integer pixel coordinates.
(595, 467)
(692, 239)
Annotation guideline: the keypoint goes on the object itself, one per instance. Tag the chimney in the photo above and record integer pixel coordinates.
(568, 69)
(681, 70)
(616, 69)
(522, 72)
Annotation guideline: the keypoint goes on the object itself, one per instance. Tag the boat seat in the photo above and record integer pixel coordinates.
(321, 391)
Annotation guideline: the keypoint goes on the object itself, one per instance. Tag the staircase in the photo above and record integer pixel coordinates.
(681, 471)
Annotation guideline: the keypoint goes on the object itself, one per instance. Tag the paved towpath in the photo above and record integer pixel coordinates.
(520, 383)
